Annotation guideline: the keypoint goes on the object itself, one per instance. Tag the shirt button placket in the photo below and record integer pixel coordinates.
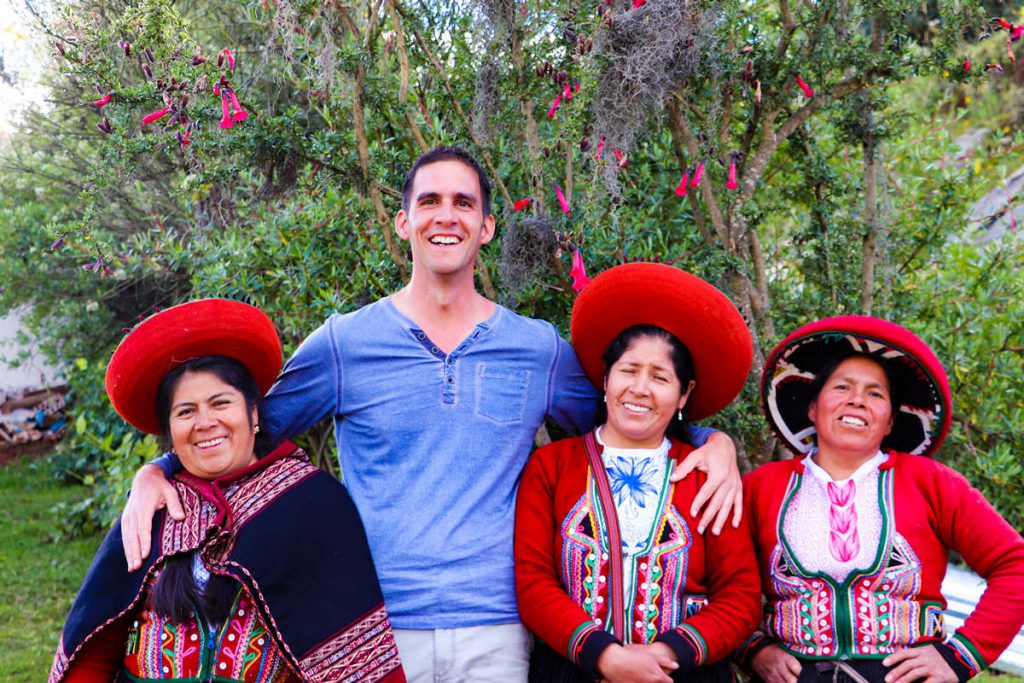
(449, 378)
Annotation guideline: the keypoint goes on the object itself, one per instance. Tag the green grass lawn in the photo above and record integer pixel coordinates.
(38, 578)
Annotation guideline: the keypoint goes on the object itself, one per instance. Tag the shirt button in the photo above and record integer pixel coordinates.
(451, 380)
(451, 361)
(435, 350)
(598, 621)
(421, 336)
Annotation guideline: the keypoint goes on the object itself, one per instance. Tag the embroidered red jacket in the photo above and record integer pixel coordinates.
(696, 593)
(927, 510)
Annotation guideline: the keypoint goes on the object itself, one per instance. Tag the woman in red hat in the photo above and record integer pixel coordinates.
(853, 536)
(231, 592)
(613, 574)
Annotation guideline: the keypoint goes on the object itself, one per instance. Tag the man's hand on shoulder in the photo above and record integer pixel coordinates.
(150, 492)
(721, 496)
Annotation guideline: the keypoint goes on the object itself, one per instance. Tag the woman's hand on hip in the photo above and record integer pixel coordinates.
(150, 492)
(721, 496)
(918, 664)
(774, 665)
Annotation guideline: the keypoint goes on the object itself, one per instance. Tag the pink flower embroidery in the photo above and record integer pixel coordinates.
(843, 540)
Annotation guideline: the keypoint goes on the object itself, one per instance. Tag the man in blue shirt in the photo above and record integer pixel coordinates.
(436, 394)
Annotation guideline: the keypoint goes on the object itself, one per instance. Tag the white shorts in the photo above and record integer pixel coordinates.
(483, 654)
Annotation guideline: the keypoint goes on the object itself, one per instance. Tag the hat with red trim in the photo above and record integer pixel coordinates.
(922, 421)
(695, 312)
(165, 340)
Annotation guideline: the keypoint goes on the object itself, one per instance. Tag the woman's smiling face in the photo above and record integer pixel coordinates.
(853, 411)
(642, 393)
(211, 428)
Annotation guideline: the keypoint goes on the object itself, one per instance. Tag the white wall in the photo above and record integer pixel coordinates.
(33, 372)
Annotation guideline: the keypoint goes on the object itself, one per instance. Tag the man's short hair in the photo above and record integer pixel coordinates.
(448, 153)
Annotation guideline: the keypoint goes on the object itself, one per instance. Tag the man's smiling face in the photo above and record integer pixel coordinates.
(445, 224)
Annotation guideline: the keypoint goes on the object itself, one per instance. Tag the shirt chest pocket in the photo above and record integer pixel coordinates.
(501, 393)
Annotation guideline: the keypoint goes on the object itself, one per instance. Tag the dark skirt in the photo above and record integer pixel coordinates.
(548, 666)
(840, 672)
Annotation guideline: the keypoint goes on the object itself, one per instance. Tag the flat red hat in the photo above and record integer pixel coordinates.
(922, 421)
(695, 312)
(165, 340)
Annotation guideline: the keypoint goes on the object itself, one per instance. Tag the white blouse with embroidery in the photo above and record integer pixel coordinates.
(639, 480)
(834, 527)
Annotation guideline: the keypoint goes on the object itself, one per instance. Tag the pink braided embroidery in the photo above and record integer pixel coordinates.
(843, 541)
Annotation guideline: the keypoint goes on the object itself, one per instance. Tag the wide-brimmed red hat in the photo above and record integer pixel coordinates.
(165, 340)
(696, 313)
(922, 421)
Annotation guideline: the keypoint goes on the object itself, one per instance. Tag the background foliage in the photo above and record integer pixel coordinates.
(856, 198)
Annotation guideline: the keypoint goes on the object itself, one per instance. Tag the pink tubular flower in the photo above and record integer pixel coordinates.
(731, 184)
(238, 114)
(567, 92)
(622, 159)
(1009, 50)
(521, 204)
(681, 187)
(578, 272)
(808, 90)
(555, 105)
(102, 101)
(158, 114)
(225, 54)
(995, 67)
(1017, 32)
(562, 201)
(639, 3)
(967, 63)
(697, 175)
(600, 149)
(225, 120)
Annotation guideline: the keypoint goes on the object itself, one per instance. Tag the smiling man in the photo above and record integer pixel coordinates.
(436, 394)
